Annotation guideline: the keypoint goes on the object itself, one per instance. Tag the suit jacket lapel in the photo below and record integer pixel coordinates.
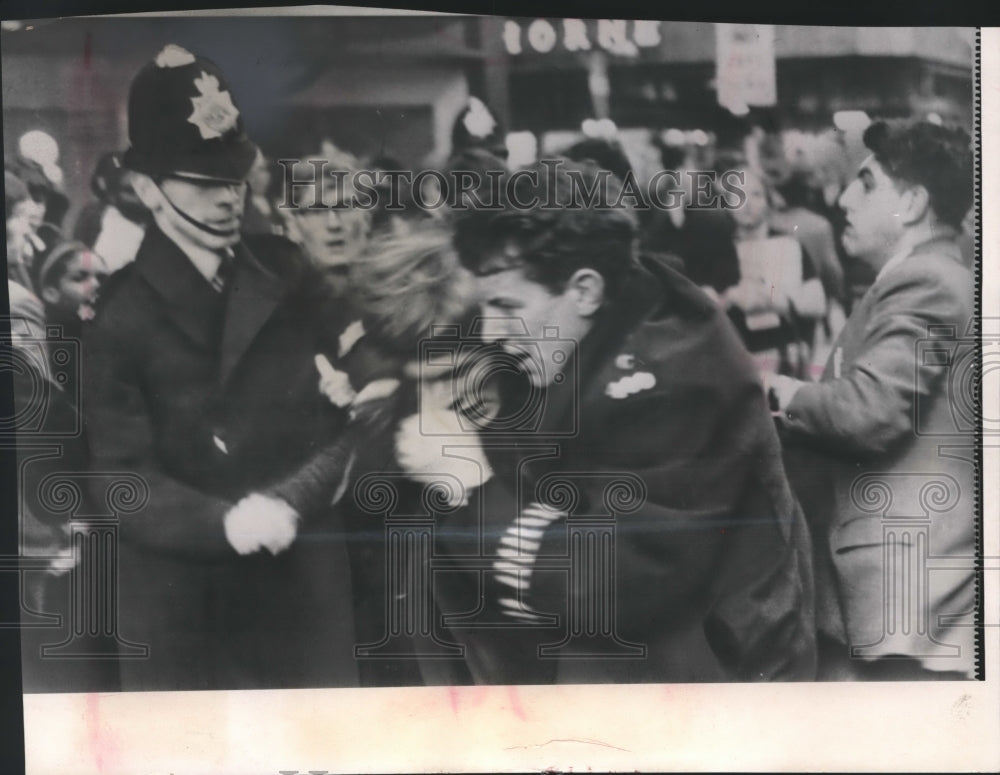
(253, 295)
(190, 302)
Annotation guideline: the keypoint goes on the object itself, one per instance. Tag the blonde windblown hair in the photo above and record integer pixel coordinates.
(407, 284)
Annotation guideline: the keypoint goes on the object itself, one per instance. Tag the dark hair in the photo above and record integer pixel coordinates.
(39, 186)
(727, 160)
(14, 192)
(385, 162)
(796, 190)
(483, 165)
(558, 234)
(606, 154)
(477, 160)
(672, 157)
(932, 156)
(51, 266)
(380, 216)
(32, 175)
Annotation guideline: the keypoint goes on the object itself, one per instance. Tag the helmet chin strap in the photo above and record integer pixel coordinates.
(196, 223)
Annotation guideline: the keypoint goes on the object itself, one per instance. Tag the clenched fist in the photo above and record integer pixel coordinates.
(261, 522)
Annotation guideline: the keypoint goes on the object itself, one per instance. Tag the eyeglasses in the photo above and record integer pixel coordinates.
(347, 205)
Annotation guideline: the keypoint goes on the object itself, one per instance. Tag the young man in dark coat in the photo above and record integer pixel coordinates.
(880, 445)
(638, 406)
(200, 377)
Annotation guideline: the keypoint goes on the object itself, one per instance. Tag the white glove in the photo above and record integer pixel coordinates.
(261, 522)
(333, 383)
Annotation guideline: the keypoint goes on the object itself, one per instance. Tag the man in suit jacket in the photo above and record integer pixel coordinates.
(650, 413)
(883, 456)
(200, 377)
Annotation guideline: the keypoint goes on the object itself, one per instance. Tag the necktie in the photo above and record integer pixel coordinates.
(225, 271)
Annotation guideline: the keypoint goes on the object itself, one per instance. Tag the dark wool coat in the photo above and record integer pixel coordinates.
(661, 425)
(365, 449)
(208, 397)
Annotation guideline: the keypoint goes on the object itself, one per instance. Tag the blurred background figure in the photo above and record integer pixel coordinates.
(791, 215)
(485, 167)
(779, 296)
(41, 147)
(478, 150)
(382, 219)
(21, 242)
(114, 223)
(330, 230)
(702, 238)
(29, 235)
(967, 238)
(67, 282)
(261, 215)
(396, 211)
(476, 126)
(36, 163)
(606, 153)
(51, 288)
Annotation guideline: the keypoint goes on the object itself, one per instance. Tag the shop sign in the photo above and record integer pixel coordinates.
(745, 69)
(616, 36)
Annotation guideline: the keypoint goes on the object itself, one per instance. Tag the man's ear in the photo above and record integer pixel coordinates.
(587, 288)
(50, 294)
(915, 205)
(148, 192)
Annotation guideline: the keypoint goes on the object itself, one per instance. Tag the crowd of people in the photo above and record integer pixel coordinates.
(263, 355)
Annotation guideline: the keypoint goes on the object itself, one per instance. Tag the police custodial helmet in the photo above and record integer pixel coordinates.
(182, 119)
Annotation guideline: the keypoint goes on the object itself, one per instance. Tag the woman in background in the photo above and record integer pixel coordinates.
(779, 295)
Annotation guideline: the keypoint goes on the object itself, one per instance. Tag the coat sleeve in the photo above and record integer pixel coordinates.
(315, 485)
(177, 519)
(869, 409)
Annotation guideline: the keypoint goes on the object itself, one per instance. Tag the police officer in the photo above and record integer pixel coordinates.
(199, 376)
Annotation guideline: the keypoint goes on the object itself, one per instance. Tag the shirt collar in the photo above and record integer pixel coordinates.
(205, 261)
